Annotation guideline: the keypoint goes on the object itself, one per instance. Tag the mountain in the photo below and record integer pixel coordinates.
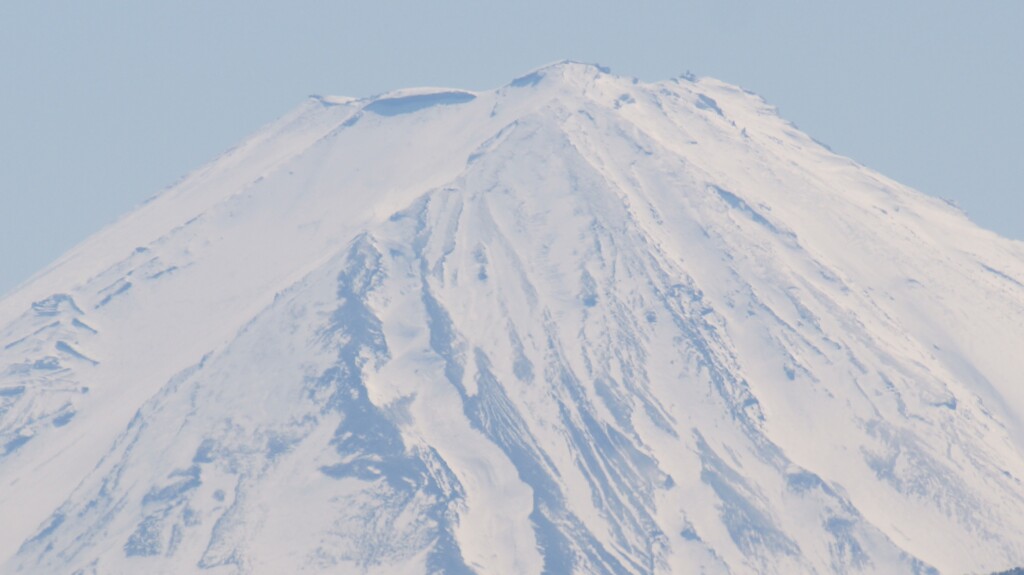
(578, 324)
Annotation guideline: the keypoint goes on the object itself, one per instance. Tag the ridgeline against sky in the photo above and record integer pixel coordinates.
(105, 103)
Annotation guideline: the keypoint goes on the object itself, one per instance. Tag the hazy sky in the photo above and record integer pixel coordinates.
(104, 103)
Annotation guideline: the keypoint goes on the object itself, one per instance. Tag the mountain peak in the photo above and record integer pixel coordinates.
(563, 71)
(575, 67)
(577, 324)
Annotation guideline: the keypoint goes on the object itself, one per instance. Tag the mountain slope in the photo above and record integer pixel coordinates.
(577, 324)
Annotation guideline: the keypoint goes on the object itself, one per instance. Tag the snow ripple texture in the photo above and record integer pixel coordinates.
(578, 324)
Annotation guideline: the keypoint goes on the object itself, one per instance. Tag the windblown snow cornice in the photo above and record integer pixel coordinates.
(577, 324)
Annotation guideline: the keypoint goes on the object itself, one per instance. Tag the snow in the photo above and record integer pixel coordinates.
(579, 323)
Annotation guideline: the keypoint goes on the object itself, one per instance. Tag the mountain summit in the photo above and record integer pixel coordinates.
(578, 324)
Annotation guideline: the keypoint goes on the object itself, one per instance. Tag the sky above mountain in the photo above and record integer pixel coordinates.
(105, 104)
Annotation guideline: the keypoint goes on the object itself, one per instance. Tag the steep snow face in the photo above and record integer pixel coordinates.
(578, 324)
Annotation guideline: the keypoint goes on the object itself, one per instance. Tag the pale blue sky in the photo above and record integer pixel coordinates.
(104, 103)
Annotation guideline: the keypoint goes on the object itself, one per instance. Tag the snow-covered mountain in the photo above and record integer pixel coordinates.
(578, 324)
